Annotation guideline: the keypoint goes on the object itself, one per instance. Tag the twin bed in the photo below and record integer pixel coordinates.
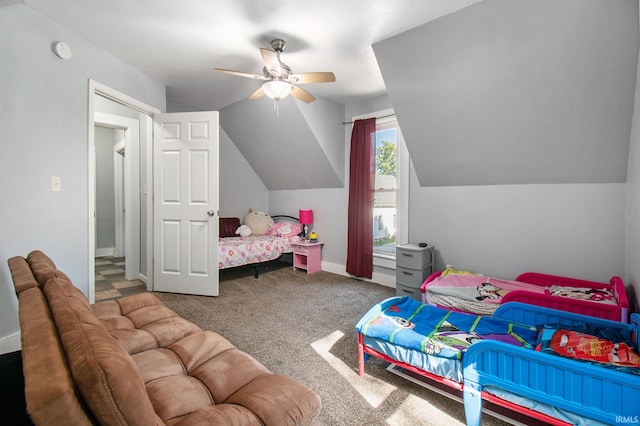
(235, 251)
(504, 359)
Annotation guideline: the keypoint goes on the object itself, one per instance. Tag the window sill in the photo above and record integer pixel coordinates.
(384, 260)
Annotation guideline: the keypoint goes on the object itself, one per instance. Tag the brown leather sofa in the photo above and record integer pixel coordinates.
(133, 361)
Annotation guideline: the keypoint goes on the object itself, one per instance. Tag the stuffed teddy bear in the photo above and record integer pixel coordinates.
(259, 222)
(243, 231)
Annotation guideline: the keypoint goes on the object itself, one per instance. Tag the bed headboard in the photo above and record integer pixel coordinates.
(228, 225)
(284, 218)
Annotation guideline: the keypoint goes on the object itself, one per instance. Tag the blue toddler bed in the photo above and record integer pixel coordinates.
(512, 359)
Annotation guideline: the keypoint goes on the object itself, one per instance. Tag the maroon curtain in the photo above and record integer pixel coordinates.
(360, 216)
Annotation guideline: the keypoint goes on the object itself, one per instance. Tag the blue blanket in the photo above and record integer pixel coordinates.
(436, 331)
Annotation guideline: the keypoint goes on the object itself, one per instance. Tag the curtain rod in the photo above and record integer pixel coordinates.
(384, 116)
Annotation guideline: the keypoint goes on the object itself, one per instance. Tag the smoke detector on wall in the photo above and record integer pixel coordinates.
(61, 50)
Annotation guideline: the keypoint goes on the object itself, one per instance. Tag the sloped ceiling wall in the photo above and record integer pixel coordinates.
(508, 92)
(300, 148)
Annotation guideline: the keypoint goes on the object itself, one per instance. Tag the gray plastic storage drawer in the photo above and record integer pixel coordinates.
(414, 293)
(411, 277)
(413, 256)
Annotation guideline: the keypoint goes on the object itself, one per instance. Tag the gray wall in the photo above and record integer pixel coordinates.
(240, 187)
(300, 148)
(43, 131)
(105, 138)
(502, 230)
(632, 213)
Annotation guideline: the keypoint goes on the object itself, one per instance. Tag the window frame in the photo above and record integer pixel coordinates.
(386, 117)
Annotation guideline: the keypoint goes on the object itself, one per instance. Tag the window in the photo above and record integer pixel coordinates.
(385, 204)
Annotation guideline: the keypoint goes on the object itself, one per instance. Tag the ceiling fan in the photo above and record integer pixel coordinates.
(279, 80)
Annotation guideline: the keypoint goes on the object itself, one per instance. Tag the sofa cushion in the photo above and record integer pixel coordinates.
(104, 372)
(140, 322)
(224, 414)
(213, 375)
(206, 368)
(278, 400)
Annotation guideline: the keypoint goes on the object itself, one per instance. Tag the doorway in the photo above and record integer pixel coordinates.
(196, 133)
(128, 120)
(117, 219)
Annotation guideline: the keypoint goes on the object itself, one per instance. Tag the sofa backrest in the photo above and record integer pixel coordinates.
(106, 375)
(43, 267)
(21, 274)
(51, 394)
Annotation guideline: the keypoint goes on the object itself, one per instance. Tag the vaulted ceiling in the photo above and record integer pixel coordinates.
(517, 92)
(180, 42)
(486, 92)
(300, 148)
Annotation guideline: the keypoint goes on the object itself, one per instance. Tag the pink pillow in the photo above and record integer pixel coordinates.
(285, 229)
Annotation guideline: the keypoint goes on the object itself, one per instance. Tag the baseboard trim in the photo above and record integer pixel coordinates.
(378, 278)
(10, 343)
(103, 252)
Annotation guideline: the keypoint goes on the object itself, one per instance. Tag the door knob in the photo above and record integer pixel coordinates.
(211, 213)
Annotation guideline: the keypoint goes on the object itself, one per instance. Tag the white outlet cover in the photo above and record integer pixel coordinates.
(61, 50)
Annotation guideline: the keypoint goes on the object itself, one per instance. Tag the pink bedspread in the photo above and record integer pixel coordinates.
(238, 251)
(479, 288)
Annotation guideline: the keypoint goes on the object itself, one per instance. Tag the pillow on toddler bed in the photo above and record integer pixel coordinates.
(600, 347)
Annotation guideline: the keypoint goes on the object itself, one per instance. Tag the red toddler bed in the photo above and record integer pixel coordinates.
(479, 294)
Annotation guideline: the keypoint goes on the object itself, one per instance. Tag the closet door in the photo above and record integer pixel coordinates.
(186, 203)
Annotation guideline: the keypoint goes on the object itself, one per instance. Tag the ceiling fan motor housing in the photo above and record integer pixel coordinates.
(278, 44)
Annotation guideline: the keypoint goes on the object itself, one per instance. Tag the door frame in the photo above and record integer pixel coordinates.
(119, 193)
(146, 113)
(129, 193)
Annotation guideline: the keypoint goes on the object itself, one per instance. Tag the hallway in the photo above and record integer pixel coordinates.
(110, 281)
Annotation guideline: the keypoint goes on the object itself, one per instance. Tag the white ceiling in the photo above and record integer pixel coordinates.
(180, 42)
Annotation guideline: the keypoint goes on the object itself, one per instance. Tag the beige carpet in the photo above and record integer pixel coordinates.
(303, 326)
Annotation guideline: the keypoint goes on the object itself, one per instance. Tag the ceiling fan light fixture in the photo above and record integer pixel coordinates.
(276, 89)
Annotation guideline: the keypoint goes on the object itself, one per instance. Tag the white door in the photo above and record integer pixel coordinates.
(186, 203)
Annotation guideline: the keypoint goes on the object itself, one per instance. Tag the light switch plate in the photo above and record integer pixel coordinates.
(56, 184)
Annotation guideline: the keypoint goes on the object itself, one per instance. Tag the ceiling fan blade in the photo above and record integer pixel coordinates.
(312, 77)
(302, 94)
(271, 60)
(257, 94)
(241, 74)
